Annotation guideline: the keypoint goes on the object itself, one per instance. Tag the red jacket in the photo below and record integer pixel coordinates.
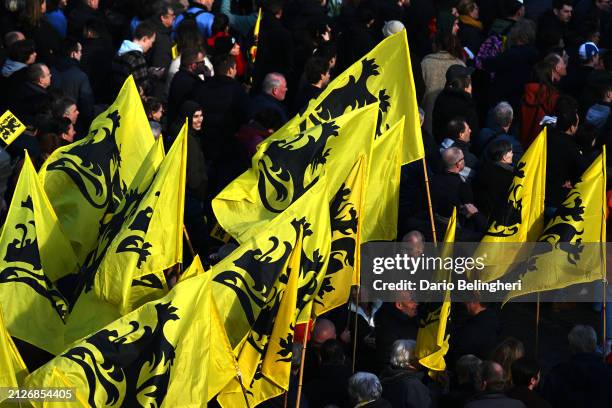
(538, 100)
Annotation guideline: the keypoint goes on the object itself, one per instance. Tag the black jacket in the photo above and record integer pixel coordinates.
(330, 386)
(478, 335)
(448, 190)
(450, 104)
(563, 162)
(491, 186)
(47, 39)
(182, 85)
(530, 398)
(96, 62)
(68, 76)
(79, 16)
(493, 400)
(264, 101)
(275, 50)
(30, 100)
(405, 389)
(391, 324)
(161, 52)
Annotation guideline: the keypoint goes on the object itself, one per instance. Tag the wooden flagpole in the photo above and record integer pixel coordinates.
(431, 214)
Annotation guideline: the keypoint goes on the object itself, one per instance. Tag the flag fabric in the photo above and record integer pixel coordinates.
(287, 164)
(522, 218)
(571, 248)
(384, 75)
(383, 182)
(146, 240)
(10, 128)
(169, 352)
(87, 179)
(245, 281)
(33, 249)
(432, 338)
(13, 370)
(346, 216)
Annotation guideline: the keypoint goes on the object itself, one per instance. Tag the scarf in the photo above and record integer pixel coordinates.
(470, 21)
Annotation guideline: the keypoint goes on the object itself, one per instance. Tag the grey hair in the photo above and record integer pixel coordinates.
(364, 386)
(402, 353)
(582, 339)
(468, 369)
(271, 81)
(451, 156)
(503, 114)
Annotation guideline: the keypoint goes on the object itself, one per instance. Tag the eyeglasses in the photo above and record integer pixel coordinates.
(460, 160)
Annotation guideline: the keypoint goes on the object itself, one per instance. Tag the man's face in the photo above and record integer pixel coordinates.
(466, 135)
(168, 19)
(603, 5)
(78, 53)
(72, 113)
(280, 92)
(407, 307)
(564, 14)
(148, 42)
(45, 80)
(94, 4)
(206, 3)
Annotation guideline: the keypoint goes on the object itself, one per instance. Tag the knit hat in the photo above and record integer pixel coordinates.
(223, 45)
(392, 27)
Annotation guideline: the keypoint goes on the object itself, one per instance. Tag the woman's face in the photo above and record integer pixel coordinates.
(43, 6)
(235, 49)
(507, 158)
(156, 116)
(197, 119)
(475, 12)
(69, 135)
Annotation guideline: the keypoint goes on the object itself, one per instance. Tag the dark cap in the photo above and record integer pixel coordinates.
(223, 45)
(458, 71)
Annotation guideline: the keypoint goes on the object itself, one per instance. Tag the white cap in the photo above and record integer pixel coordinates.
(392, 27)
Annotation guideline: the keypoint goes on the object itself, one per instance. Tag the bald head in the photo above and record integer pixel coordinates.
(453, 159)
(493, 376)
(323, 330)
(275, 85)
(12, 37)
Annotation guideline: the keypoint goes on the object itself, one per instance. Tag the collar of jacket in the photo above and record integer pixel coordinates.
(468, 20)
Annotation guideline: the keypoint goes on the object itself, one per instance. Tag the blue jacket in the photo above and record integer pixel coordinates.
(484, 138)
(59, 21)
(203, 18)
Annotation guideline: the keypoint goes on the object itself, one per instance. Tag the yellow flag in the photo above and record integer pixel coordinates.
(522, 218)
(572, 243)
(168, 353)
(384, 75)
(432, 338)
(87, 179)
(346, 214)
(12, 368)
(383, 182)
(10, 128)
(244, 281)
(146, 240)
(265, 357)
(32, 246)
(287, 164)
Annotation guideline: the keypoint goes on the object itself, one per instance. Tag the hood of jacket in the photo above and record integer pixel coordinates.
(128, 46)
(10, 67)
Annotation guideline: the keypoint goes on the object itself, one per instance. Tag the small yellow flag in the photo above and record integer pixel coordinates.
(12, 368)
(10, 128)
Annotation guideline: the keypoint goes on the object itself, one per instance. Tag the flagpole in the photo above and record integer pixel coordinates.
(186, 234)
(244, 392)
(301, 377)
(431, 215)
(355, 333)
(537, 333)
(604, 311)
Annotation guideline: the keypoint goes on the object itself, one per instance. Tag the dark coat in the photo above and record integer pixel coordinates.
(47, 39)
(305, 94)
(68, 76)
(161, 52)
(576, 80)
(30, 100)
(329, 387)
(79, 16)
(264, 101)
(563, 162)
(478, 335)
(470, 36)
(512, 70)
(182, 85)
(493, 400)
(448, 190)
(405, 389)
(583, 381)
(450, 104)
(96, 62)
(530, 398)
(354, 42)
(491, 187)
(391, 324)
(275, 50)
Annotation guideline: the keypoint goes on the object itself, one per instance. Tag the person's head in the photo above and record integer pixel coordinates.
(332, 352)
(415, 243)
(392, 27)
(513, 9)
(64, 128)
(459, 78)
(23, 51)
(192, 60)
(226, 45)
(323, 330)
(500, 151)
(71, 48)
(468, 8)
(48, 142)
(467, 369)
(11, 38)
(503, 114)
(275, 7)
(589, 54)
(188, 35)
(402, 354)
(603, 5)
(53, 5)
(40, 75)
(206, 3)
(551, 69)
(164, 13)
(275, 85)
(453, 159)
(364, 387)
(94, 4)
(33, 12)
(65, 107)
(189, 110)
(406, 304)
(507, 352)
(526, 372)
(94, 28)
(225, 65)
(144, 35)
(220, 24)
(475, 307)
(566, 111)
(563, 9)
(523, 32)
(329, 52)
(492, 377)
(582, 339)
(458, 129)
(448, 42)
(153, 108)
(316, 72)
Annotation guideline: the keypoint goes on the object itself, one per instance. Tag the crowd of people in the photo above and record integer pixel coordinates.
(489, 75)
